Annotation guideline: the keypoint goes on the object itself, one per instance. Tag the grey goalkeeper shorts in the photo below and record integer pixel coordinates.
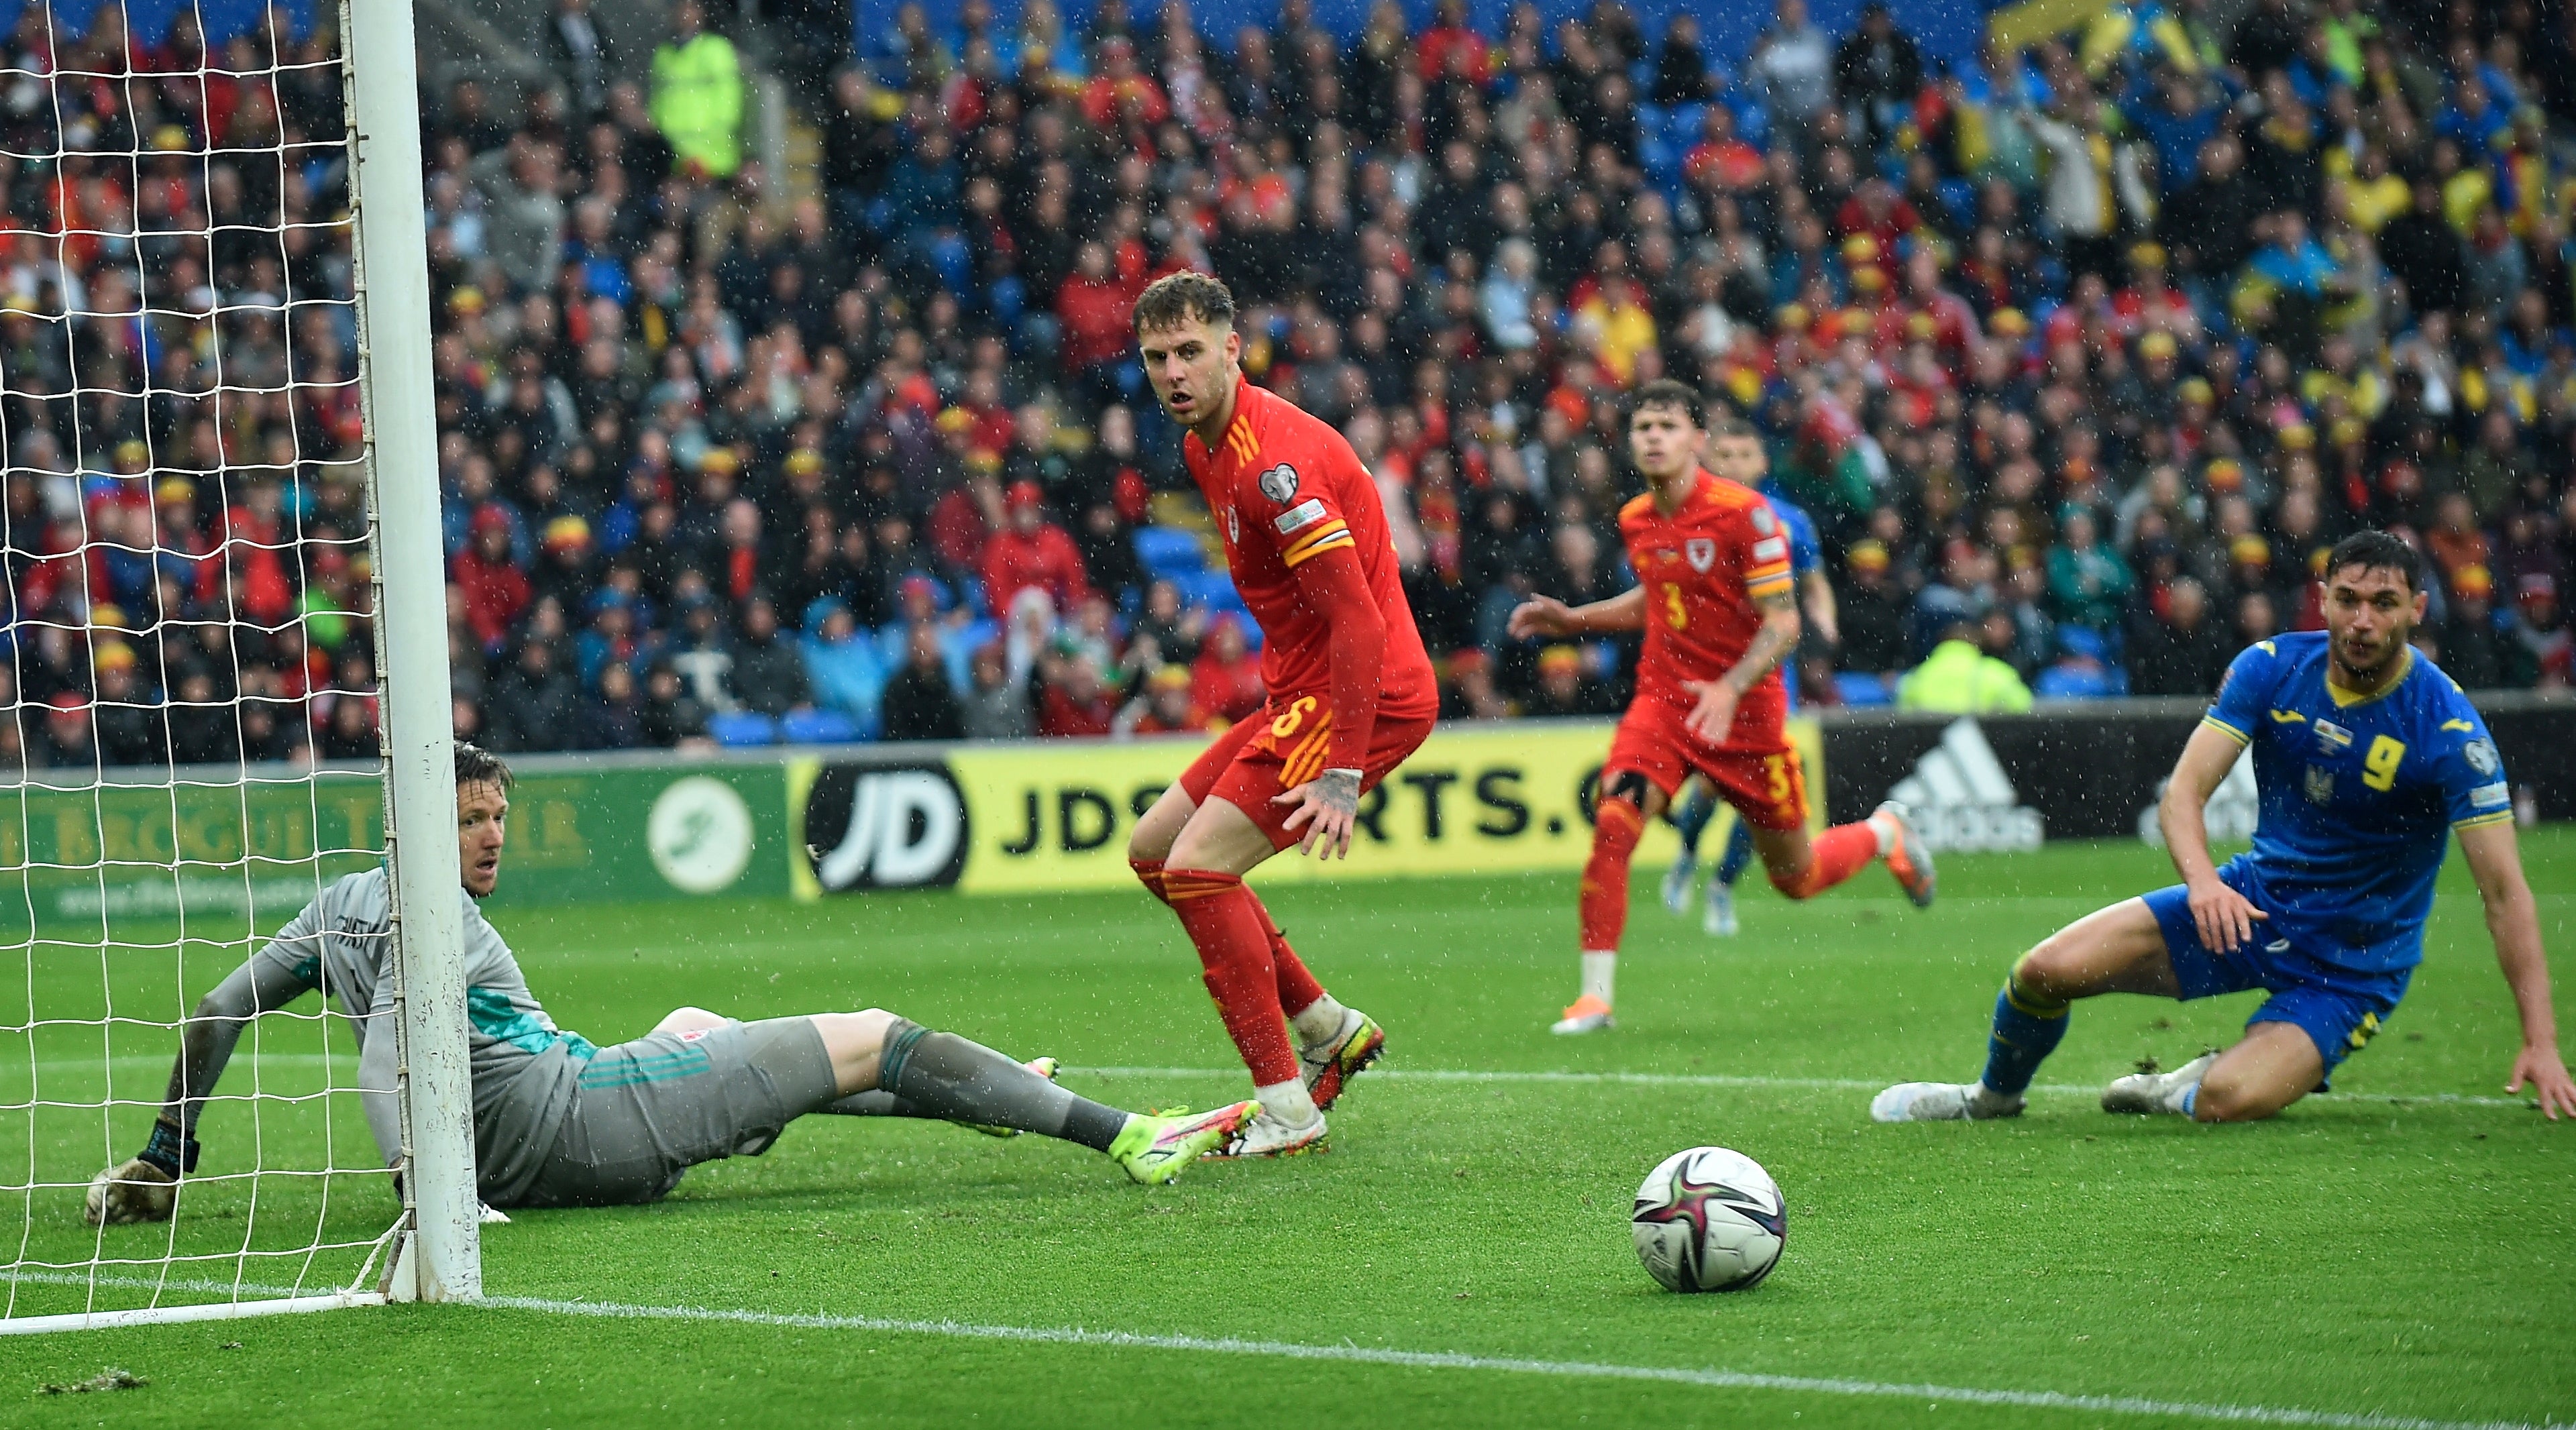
(649, 1110)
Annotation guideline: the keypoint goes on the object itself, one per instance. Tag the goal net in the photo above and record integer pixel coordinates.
(194, 555)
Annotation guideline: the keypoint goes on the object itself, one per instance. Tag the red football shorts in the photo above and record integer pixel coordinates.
(1255, 762)
(1767, 787)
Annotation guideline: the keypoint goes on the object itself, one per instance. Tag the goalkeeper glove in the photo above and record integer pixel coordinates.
(146, 1187)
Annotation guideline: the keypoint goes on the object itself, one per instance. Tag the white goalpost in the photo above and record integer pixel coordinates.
(227, 672)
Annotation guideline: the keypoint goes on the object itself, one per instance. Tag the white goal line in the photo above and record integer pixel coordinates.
(1933, 1395)
(1827, 1084)
(1582, 1370)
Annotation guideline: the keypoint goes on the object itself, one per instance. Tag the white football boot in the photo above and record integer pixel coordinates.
(1942, 1102)
(2147, 1093)
(1717, 915)
(1266, 1136)
(1677, 884)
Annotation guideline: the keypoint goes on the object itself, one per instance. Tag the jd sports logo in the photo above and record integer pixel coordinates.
(1960, 797)
(885, 827)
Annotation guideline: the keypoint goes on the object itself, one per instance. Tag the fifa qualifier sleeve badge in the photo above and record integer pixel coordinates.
(1279, 483)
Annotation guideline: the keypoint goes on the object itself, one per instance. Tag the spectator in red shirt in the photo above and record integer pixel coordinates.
(1119, 94)
(1225, 681)
(1073, 702)
(495, 591)
(1721, 159)
(1094, 307)
(1032, 551)
(1954, 323)
(1878, 210)
(1451, 48)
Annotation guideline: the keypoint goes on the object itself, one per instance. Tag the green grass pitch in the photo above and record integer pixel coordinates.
(2384, 1252)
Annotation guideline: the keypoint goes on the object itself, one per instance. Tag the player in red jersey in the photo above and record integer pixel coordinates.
(1350, 696)
(1714, 598)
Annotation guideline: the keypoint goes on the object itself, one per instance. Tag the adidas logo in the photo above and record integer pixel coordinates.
(1960, 797)
(2233, 808)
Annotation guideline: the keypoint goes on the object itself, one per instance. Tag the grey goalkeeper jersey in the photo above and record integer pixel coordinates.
(525, 1069)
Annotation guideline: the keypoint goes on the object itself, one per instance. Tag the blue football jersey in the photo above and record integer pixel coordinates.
(1804, 552)
(1804, 556)
(2358, 797)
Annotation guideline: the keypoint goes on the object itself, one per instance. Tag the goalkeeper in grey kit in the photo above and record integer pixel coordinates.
(561, 1122)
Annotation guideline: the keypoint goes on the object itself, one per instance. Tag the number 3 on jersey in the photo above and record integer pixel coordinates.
(2379, 767)
(1674, 615)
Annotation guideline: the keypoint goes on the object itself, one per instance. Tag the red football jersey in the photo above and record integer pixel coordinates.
(1285, 487)
(1703, 568)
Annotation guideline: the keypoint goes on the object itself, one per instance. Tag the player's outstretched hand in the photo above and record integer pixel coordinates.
(2224, 917)
(135, 1191)
(1713, 715)
(1541, 616)
(2541, 1067)
(1327, 805)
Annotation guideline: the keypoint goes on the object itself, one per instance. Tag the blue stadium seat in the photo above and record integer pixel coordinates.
(818, 727)
(1657, 156)
(1169, 551)
(1960, 197)
(1862, 690)
(743, 727)
(1005, 300)
(1682, 126)
(1211, 589)
(1753, 125)
(2066, 682)
(955, 264)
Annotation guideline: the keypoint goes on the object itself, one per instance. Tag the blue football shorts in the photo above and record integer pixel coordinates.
(2340, 1009)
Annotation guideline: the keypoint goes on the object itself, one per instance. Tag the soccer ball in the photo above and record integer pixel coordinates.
(1709, 1219)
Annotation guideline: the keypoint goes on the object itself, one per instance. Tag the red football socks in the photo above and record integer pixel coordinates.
(1604, 903)
(1834, 856)
(1233, 936)
(1298, 989)
(1149, 872)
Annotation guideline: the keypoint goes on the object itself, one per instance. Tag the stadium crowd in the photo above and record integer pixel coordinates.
(2079, 357)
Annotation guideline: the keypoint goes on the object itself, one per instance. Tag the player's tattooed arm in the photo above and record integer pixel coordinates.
(1771, 644)
(1713, 708)
(1328, 806)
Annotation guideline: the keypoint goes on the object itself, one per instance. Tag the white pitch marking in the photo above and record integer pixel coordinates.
(1451, 1360)
(1411, 1360)
(1631, 1079)
(1830, 1084)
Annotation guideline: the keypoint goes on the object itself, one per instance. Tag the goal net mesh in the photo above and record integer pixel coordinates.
(192, 673)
